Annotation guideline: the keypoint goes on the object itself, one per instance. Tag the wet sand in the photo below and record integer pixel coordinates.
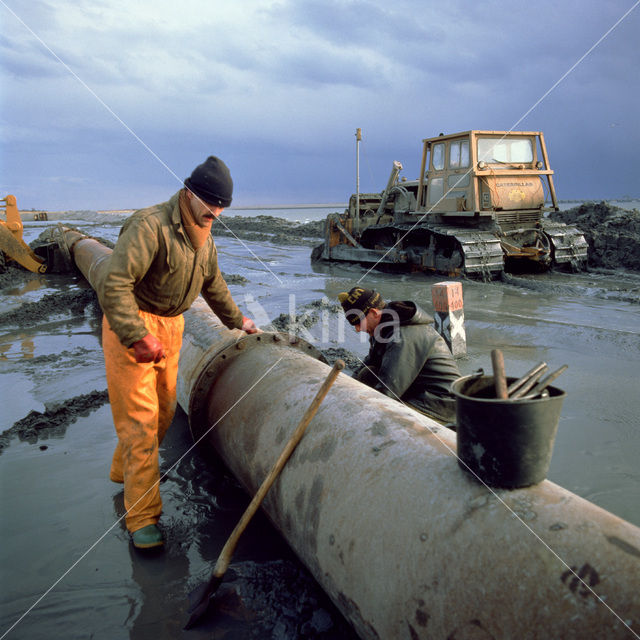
(60, 511)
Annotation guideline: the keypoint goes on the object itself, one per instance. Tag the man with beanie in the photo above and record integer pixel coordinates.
(408, 360)
(164, 258)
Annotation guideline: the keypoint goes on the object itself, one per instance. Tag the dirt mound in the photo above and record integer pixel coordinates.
(13, 275)
(61, 303)
(269, 229)
(311, 313)
(352, 362)
(234, 278)
(612, 233)
(54, 420)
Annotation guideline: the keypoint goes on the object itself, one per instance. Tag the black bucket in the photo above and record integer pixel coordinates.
(507, 443)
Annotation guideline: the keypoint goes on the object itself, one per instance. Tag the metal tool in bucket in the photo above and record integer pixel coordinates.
(506, 427)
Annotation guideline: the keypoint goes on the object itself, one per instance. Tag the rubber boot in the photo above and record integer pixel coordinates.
(147, 538)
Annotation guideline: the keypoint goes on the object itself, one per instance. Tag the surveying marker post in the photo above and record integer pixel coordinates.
(449, 315)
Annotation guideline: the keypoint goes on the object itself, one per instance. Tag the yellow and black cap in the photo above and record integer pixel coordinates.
(357, 303)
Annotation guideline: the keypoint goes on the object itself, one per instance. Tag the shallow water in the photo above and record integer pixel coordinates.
(60, 511)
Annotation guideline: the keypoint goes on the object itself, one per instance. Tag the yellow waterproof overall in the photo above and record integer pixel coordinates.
(143, 403)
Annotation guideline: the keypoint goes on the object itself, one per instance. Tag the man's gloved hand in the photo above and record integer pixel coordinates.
(149, 349)
(248, 325)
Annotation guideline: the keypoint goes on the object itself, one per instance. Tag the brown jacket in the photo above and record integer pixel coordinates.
(155, 268)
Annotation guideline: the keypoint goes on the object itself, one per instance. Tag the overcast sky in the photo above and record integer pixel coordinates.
(110, 104)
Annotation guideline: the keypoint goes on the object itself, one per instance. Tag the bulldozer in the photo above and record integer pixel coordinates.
(478, 208)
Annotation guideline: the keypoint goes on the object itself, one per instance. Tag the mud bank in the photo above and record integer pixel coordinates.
(306, 317)
(12, 275)
(269, 229)
(612, 233)
(54, 420)
(50, 305)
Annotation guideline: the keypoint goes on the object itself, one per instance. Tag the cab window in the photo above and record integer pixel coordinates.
(459, 154)
(436, 190)
(505, 150)
(437, 156)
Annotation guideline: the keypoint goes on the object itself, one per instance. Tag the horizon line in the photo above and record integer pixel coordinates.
(321, 205)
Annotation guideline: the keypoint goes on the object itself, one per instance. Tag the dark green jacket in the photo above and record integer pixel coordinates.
(155, 268)
(412, 361)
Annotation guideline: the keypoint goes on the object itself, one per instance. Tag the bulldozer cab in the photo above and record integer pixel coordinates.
(479, 173)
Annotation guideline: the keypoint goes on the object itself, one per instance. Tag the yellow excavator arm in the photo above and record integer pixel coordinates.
(11, 242)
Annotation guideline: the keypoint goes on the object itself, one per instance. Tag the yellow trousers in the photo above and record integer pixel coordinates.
(143, 403)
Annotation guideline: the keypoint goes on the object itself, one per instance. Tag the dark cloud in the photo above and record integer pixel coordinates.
(280, 88)
(357, 22)
(28, 60)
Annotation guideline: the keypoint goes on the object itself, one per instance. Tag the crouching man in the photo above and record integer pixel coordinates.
(408, 360)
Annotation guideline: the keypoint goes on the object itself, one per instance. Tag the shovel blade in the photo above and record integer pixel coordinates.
(199, 600)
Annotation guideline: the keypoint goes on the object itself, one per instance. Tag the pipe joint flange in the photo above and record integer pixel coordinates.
(221, 360)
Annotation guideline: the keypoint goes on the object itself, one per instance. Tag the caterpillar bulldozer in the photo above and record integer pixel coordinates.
(477, 209)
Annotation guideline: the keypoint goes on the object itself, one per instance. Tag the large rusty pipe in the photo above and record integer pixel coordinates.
(373, 501)
(375, 504)
(89, 255)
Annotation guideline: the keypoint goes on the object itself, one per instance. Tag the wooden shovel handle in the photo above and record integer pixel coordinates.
(227, 551)
(499, 377)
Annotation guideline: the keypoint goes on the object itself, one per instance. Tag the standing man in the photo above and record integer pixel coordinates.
(408, 360)
(165, 256)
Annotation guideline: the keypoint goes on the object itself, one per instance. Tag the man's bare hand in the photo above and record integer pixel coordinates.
(149, 349)
(248, 325)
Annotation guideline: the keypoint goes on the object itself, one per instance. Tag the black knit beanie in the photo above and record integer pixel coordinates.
(357, 303)
(211, 182)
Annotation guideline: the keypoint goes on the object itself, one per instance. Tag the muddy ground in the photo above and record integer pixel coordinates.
(57, 437)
